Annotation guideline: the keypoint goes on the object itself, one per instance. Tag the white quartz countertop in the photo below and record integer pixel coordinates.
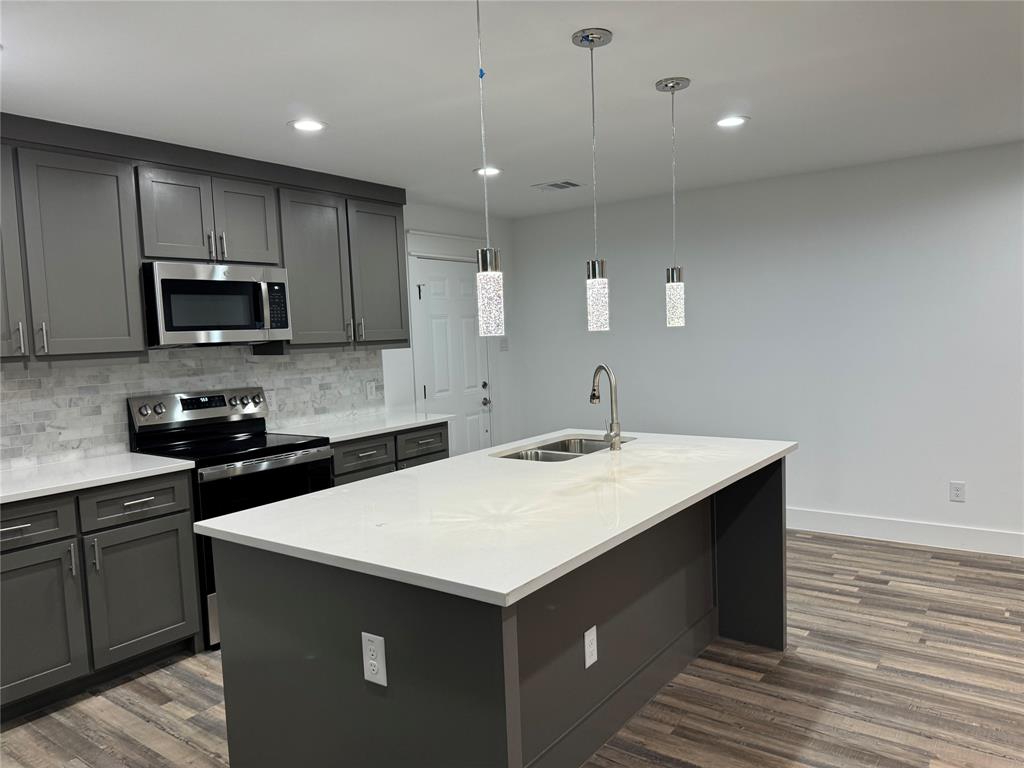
(66, 476)
(495, 529)
(338, 429)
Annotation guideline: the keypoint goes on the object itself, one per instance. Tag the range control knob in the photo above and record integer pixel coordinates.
(159, 409)
(233, 401)
(257, 399)
(245, 400)
(144, 411)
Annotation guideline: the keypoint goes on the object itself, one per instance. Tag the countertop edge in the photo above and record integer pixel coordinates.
(180, 465)
(501, 599)
(401, 425)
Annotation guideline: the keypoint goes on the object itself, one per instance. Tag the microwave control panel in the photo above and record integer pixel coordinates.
(278, 305)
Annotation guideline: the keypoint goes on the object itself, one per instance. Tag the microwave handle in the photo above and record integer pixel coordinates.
(265, 290)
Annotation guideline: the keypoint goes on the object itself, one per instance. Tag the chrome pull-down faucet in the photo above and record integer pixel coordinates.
(614, 431)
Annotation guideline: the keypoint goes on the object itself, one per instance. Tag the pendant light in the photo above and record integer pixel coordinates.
(675, 298)
(490, 288)
(597, 278)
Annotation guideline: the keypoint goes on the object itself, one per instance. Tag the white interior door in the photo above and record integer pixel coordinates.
(449, 357)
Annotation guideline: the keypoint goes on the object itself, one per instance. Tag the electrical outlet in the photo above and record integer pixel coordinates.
(374, 664)
(957, 490)
(269, 396)
(590, 646)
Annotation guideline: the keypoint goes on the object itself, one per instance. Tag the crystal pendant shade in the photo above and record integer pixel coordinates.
(675, 298)
(597, 296)
(490, 293)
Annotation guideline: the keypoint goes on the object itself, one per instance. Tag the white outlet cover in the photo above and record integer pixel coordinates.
(589, 647)
(375, 668)
(957, 490)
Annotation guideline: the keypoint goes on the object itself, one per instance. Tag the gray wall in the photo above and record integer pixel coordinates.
(874, 313)
(65, 409)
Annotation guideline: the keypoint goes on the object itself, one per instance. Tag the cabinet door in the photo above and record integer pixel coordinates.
(315, 237)
(246, 217)
(177, 214)
(376, 236)
(82, 243)
(14, 325)
(142, 587)
(42, 636)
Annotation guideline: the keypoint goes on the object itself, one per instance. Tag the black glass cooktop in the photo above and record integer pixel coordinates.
(225, 449)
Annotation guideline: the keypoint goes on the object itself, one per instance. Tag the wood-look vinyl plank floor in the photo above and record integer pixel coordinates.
(899, 657)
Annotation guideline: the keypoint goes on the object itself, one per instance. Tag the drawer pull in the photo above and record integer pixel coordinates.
(364, 454)
(138, 501)
(15, 527)
(428, 440)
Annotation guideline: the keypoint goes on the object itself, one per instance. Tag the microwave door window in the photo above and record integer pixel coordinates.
(223, 305)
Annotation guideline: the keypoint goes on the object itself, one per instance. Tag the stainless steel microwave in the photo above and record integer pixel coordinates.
(215, 303)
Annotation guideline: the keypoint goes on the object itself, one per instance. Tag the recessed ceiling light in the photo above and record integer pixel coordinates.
(733, 121)
(490, 170)
(307, 125)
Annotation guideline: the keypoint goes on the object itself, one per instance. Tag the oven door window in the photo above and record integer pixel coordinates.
(212, 305)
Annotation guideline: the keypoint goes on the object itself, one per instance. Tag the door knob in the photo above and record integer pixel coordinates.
(485, 401)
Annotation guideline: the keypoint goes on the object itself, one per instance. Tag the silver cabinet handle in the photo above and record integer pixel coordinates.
(223, 245)
(21, 337)
(211, 246)
(362, 329)
(138, 501)
(424, 442)
(348, 330)
(46, 341)
(15, 527)
(364, 454)
(74, 564)
(96, 554)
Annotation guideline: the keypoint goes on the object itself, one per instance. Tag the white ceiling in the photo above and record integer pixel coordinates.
(827, 84)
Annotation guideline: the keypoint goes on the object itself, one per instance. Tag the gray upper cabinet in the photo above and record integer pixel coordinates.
(142, 587)
(377, 246)
(14, 324)
(82, 247)
(246, 216)
(315, 236)
(195, 216)
(177, 214)
(42, 636)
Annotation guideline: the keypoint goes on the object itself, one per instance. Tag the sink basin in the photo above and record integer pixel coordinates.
(580, 445)
(570, 447)
(536, 454)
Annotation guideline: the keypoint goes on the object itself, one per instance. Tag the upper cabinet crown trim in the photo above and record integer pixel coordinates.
(19, 129)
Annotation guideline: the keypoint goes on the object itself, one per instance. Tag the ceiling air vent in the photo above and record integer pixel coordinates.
(556, 185)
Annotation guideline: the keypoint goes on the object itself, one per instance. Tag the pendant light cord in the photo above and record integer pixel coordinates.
(675, 257)
(483, 124)
(593, 143)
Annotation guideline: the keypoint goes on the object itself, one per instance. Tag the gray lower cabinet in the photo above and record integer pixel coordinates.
(141, 586)
(315, 235)
(195, 216)
(177, 214)
(42, 636)
(14, 325)
(82, 248)
(377, 248)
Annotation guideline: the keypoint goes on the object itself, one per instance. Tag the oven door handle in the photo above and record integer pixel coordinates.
(222, 471)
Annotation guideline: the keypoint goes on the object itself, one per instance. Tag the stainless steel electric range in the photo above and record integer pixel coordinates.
(238, 463)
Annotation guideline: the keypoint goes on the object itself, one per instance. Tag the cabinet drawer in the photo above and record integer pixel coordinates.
(363, 454)
(36, 521)
(352, 477)
(433, 439)
(137, 500)
(422, 460)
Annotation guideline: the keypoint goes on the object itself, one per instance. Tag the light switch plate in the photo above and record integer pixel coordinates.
(375, 668)
(590, 647)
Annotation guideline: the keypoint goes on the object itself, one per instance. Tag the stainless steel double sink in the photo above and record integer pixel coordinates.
(563, 449)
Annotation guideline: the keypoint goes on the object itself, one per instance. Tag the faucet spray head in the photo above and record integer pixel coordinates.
(595, 396)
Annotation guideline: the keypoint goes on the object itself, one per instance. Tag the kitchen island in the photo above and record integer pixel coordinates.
(482, 575)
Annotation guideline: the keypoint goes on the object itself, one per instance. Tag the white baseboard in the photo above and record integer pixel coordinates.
(994, 542)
